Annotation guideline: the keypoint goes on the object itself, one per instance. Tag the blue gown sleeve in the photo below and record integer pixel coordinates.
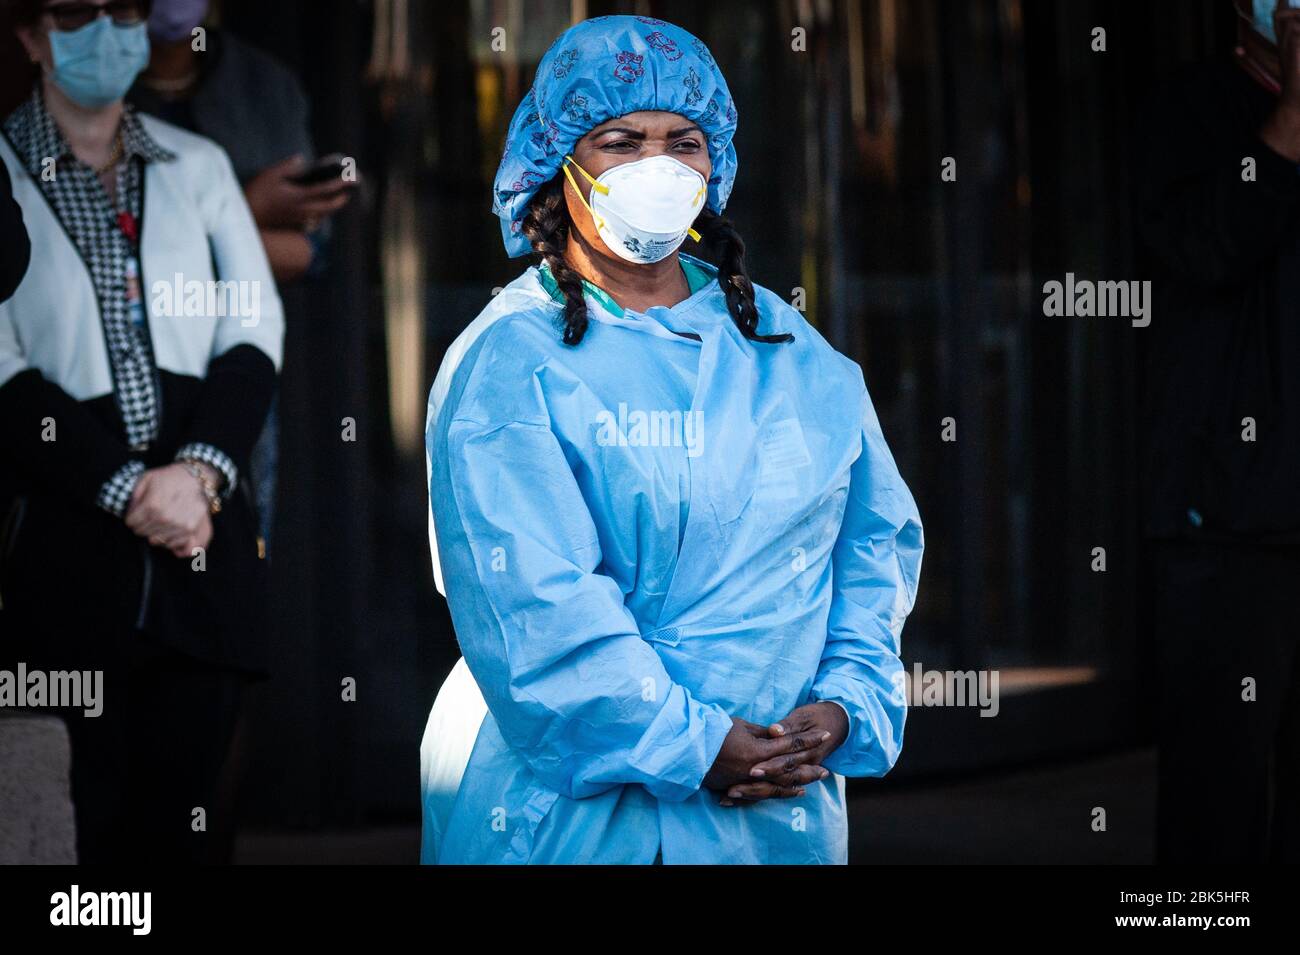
(574, 689)
(876, 564)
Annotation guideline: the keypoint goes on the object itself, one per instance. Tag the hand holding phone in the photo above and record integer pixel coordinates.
(293, 195)
(326, 169)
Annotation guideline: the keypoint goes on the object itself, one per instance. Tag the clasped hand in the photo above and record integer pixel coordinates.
(168, 508)
(777, 761)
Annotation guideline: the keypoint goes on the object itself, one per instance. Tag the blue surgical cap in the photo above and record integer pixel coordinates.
(596, 71)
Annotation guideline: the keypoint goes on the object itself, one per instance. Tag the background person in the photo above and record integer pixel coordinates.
(252, 106)
(126, 432)
(1221, 513)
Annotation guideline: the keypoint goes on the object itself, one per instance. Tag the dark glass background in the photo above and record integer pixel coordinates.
(935, 288)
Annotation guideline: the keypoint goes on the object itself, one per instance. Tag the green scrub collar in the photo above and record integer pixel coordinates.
(698, 274)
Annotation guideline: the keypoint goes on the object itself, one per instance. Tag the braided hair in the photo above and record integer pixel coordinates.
(546, 224)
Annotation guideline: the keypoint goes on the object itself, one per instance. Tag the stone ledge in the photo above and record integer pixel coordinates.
(37, 826)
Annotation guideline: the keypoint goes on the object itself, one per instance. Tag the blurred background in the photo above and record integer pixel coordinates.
(934, 288)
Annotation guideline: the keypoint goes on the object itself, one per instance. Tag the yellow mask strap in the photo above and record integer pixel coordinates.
(691, 232)
(598, 186)
(600, 223)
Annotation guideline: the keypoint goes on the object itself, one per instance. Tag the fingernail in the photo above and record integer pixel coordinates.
(734, 794)
(779, 728)
(826, 736)
(825, 773)
(757, 772)
(802, 791)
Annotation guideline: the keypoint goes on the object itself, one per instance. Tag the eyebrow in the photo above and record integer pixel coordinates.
(638, 134)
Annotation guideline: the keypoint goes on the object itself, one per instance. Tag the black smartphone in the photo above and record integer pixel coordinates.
(322, 170)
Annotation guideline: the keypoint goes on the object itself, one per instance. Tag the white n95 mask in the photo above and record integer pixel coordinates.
(643, 210)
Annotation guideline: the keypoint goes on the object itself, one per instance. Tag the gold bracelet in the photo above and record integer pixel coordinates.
(209, 489)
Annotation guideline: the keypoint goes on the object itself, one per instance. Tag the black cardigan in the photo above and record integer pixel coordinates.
(15, 249)
(71, 574)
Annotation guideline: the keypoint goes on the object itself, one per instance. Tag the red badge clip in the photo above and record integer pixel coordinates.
(126, 222)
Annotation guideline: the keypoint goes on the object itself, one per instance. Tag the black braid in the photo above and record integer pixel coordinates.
(720, 237)
(547, 226)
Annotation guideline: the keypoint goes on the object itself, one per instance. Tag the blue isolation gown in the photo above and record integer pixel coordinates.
(639, 538)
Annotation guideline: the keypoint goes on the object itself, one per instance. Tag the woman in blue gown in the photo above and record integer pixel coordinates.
(677, 550)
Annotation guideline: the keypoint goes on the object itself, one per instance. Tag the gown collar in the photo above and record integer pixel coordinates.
(699, 274)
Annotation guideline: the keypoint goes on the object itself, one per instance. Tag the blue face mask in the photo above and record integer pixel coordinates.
(1263, 21)
(97, 64)
(174, 20)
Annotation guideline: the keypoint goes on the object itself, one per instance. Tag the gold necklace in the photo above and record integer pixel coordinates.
(115, 158)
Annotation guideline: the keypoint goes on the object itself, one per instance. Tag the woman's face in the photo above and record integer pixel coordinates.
(638, 135)
(35, 37)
